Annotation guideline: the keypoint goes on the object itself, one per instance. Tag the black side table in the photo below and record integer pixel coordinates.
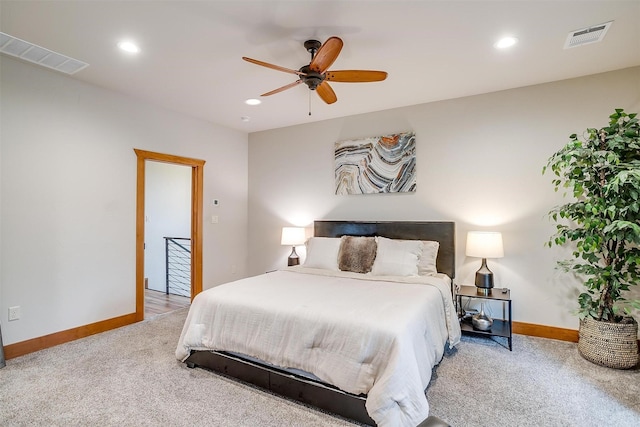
(500, 327)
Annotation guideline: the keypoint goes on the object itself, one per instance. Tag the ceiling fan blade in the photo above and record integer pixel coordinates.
(274, 67)
(280, 89)
(356, 76)
(326, 55)
(326, 93)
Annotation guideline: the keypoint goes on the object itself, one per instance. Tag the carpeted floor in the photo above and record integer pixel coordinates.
(129, 377)
(541, 383)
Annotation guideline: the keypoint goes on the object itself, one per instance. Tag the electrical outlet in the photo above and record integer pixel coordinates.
(14, 312)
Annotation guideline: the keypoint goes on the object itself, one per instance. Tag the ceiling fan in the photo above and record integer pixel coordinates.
(316, 75)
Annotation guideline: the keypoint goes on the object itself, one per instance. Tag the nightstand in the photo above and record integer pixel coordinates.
(501, 327)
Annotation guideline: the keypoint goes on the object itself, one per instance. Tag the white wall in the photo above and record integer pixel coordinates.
(68, 173)
(167, 214)
(68, 193)
(479, 164)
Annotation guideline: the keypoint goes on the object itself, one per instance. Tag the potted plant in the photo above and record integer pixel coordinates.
(601, 176)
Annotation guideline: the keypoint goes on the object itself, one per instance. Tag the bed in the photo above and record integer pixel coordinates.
(356, 335)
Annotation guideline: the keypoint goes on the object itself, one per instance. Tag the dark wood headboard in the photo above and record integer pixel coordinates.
(443, 232)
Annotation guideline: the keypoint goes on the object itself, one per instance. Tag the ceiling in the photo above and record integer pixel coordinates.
(433, 50)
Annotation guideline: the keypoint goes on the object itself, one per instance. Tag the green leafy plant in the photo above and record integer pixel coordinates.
(601, 175)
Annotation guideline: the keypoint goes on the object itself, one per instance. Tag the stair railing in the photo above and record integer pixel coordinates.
(178, 265)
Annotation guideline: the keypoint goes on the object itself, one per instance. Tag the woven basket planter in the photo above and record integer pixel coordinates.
(614, 345)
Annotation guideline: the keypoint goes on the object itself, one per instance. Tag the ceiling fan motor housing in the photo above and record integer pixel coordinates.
(312, 78)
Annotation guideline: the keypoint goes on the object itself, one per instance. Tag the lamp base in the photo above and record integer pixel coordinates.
(293, 259)
(484, 279)
(483, 291)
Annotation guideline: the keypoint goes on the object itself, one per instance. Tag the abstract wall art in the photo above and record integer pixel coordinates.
(380, 164)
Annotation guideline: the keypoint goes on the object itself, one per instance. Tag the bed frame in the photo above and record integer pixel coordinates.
(315, 393)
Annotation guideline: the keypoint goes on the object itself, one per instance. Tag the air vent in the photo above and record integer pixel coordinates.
(38, 55)
(589, 35)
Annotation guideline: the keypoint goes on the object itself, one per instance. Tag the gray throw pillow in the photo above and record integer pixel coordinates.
(357, 254)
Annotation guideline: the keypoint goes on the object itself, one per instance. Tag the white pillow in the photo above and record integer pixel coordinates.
(427, 261)
(397, 257)
(322, 252)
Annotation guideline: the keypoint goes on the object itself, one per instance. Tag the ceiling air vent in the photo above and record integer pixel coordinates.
(38, 55)
(589, 35)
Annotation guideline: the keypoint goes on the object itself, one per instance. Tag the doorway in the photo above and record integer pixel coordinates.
(167, 241)
(197, 169)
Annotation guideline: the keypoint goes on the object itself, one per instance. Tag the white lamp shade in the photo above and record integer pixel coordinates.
(292, 236)
(484, 244)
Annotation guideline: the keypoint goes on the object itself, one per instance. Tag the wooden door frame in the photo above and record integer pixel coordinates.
(197, 167)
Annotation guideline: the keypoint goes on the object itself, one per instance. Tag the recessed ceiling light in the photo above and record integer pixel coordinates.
(253, 101)
(505, 42)
(128, 46)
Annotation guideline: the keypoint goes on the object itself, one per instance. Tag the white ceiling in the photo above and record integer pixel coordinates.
(433, 50)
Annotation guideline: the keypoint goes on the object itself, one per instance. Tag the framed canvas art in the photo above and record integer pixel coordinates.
(379, 164)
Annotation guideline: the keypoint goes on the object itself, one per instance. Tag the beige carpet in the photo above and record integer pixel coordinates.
(129, 377)
(541, 383)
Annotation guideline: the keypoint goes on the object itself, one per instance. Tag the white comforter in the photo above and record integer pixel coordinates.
(375, 335)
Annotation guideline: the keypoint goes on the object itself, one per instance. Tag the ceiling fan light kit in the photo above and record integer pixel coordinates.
(316, 75)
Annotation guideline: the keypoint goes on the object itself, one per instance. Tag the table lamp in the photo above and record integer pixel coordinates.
(292, 236)
(484, 244)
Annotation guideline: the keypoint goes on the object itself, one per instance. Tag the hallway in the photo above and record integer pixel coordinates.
(156, 302)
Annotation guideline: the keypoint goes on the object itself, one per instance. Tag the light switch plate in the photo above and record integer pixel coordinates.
(14, 313)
